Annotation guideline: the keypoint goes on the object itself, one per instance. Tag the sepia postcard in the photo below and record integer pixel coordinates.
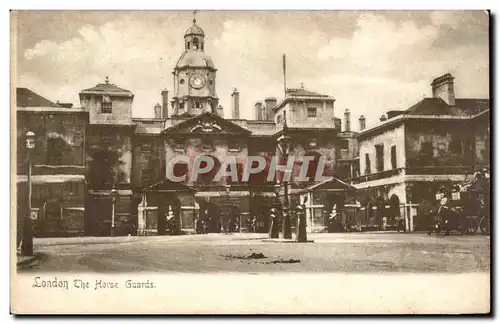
(250, 162)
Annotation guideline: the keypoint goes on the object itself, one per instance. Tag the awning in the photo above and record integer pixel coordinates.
(59, 178)
(331, 184)
(169, 186)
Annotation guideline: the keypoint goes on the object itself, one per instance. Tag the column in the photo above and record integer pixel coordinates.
(141, 215)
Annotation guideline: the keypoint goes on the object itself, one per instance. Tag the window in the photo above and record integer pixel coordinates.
(146, 149)
(179, 147)
(379, 155)
(426, 149)
(181, 81)
(344, 144)
(188, 45)
(181, 106)
(106, 105)
(311, 112)
(56, 150)
(456, 146)
(207, 147)
(195, 43)
(197, 104)
(368, 167)
(234, 147)
(147, 175)
(394, 163)
(278, 119)
(202, 47)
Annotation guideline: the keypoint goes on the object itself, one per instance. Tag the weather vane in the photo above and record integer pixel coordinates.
(194, 16)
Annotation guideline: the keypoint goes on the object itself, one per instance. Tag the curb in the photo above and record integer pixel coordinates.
(285, 241)
(29, 261)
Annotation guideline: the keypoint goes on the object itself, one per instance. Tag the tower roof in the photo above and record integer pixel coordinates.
(27, 98)
(195, 59)
(108, 88)
(194, 30)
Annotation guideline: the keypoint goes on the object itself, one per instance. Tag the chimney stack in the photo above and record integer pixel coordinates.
(235, 102)
(158, 111)
(383, 118)
(164, 95)
(270, 104)
(258, 111)
(443, 88)
(347, 120)
(362, 123)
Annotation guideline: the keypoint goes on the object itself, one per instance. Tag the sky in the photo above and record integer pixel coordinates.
(369, 61)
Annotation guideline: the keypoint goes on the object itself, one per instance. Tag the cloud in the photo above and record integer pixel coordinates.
(376, 38)
(372, 65)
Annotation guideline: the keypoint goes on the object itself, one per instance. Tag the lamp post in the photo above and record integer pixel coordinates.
(227, 189)
(409, 190)
(27, 240)
(113, 194)
(274, 215)
(285, 147)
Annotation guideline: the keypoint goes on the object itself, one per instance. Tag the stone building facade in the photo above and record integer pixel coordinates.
(120, 162)
(410, 153)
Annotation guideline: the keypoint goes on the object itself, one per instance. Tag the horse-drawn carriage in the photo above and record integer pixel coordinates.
(465, 208)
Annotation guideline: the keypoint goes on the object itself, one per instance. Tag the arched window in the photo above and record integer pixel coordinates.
(195, 43)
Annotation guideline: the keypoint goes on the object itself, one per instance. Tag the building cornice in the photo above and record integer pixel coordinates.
(402, 118)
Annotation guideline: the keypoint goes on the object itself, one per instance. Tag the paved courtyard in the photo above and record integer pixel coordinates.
(251, 253)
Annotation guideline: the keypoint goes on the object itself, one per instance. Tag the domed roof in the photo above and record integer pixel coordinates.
(194, 30)
(195, 58)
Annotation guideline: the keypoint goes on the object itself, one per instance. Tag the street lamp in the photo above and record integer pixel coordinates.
(227, 189)
(113, 194)
(285, 147)
(27, 240)
(409, 191)
(274, 215)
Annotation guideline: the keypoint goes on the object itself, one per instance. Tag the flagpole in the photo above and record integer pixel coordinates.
(284, 72)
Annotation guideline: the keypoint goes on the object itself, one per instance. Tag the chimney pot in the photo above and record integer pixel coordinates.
(383, 118)
(362, 123)
(442, 87)
(164, 110)
(270, 104)
(347, 120)
(235, 103)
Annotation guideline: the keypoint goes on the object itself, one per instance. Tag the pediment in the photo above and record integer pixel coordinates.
(208, 124)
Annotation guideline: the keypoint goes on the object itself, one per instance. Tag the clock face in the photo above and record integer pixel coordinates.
(197, 81)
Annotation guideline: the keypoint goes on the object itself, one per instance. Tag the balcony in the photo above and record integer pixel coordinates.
(427, 170)
(377, 176)
(433, 170)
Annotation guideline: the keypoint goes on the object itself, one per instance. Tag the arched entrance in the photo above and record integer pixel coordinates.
(210, 214)
(52, 222)
(395, 210)
(169, 203)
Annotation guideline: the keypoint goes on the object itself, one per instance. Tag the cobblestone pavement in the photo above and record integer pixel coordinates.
(250, 253)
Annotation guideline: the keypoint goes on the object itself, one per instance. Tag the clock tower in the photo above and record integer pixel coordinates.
(194, 77)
